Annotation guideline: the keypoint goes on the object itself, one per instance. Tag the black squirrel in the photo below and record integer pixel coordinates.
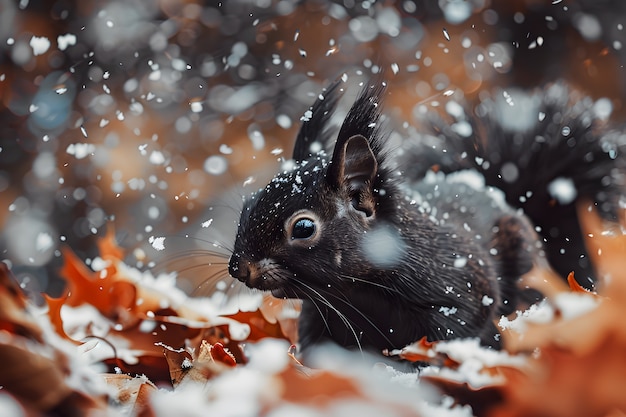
(383, 251)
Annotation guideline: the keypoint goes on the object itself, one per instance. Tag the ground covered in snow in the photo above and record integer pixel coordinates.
(121, 342)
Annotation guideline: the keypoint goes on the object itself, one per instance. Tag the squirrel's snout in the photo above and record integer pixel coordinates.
(239, 268)
(265, 275)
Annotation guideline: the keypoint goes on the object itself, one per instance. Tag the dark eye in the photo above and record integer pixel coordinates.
(303, 228)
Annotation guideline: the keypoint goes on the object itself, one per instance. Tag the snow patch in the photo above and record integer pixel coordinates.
(63, 41)
(563, 190)
(535, 314)
(43, 242)
(487, 301)
(572, 305)
(158, 243)
(80, 150)
(40, 45)
(383, 246)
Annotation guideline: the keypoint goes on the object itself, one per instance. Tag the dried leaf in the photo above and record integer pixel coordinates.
(204, 366)
(316, 387)
(13, 316)
(222, 355)
(574, 285)
(422, 351)
(132, 392)
(32, 378)
(260, 327)
(482, 400)
(564, 383)
(54, 314)
(179, 364)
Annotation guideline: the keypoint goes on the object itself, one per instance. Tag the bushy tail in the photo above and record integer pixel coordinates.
(547, 151)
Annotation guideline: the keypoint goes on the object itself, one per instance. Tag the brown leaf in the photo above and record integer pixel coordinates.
(482, 399)
(204, 366)
(38, 381)
(132, 392)
(13, 316)
(317, 387)
(179, 364)
(155, 368)
(32, 378)
(565, 383)
(606, 248)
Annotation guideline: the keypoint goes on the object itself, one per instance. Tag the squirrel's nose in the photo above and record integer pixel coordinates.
(239, 268)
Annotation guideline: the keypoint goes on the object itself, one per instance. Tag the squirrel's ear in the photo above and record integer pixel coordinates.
(315, 120)
(353, 168)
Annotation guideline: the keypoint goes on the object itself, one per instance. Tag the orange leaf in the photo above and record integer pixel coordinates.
(84, 285)
(569, 384)
(54, 314)
(574, 285)
(108, 247)
(260, 327)
(422, 351)
(317, 388)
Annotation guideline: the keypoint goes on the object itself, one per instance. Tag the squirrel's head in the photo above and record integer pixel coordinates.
(309, 226)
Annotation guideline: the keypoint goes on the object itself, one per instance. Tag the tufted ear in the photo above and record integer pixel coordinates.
(353, 169)
(315, 122)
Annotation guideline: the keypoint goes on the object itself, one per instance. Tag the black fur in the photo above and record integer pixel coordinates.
(565, 141)
(386, 264)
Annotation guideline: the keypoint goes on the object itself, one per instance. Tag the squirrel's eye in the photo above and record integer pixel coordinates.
(303, 229)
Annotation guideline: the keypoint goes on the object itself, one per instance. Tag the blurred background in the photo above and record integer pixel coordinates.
(154, 118)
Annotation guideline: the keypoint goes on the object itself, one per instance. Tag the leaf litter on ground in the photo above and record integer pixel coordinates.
(122, 342)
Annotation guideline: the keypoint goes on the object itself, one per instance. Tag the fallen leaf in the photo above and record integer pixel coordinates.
(13, 315)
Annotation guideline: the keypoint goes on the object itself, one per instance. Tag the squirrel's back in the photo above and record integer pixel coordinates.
(381, 260)
(547, 151)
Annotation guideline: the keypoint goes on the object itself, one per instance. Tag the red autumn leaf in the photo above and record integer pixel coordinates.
(220, 354)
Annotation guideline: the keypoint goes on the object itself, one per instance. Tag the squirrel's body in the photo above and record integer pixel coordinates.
(378, 259)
